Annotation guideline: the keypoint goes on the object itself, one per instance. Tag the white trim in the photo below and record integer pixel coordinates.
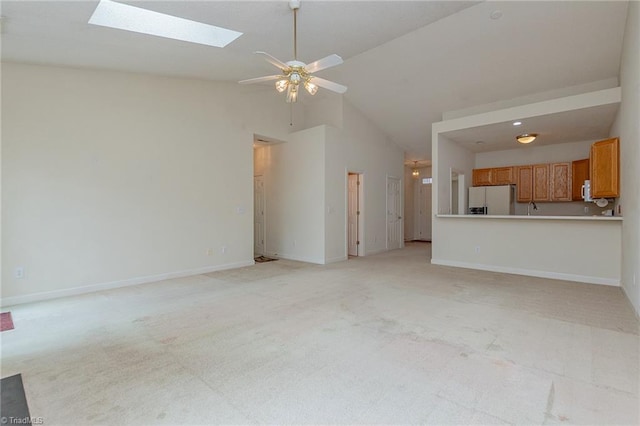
(530, 272)
(75, 291)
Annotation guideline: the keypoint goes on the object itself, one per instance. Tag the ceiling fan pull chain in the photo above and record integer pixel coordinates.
(291, 115)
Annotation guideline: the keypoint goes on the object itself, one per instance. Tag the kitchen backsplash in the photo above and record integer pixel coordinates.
(575, 208)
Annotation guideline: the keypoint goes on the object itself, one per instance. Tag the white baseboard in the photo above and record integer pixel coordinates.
(47, 295)
(530, 272)
(336, 259)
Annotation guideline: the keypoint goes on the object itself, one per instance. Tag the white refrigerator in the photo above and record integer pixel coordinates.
(496, 200)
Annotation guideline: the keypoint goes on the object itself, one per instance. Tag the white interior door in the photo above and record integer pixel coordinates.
(424, 211)
(394, 213)
(258, 215)
(353, 183)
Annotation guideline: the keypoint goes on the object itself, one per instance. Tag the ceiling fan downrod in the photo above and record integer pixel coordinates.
(295, 5)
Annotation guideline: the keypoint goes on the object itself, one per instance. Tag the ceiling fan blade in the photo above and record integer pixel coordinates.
(273, 61)
(324, 63)
(330, 85)
(260, 79)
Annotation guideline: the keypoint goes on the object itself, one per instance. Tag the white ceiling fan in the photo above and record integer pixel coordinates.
(296, 73)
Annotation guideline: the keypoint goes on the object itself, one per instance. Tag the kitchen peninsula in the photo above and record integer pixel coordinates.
(576, 245)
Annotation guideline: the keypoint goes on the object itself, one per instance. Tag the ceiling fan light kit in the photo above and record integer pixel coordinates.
(295, 73)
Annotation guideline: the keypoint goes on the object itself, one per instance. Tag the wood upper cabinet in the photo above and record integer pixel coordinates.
(482, 177)
(560, 181)
(579, 173)
(524, 182)
(605, 168)
(541, 187)
(503, 176)
(494, 176)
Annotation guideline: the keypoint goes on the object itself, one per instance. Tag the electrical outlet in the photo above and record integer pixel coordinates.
(224, 249)
(209, 252)
(586, 209)
(477, 249)
(295, 243)
(19, 273)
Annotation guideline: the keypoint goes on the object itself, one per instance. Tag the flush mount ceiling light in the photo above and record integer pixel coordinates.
(517, 123)
(526, 137)
(124, 17)
(296, 73)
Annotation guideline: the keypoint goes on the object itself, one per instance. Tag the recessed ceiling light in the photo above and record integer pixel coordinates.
(517, 123)
(130, 18)
(479, 142)
(496, 14)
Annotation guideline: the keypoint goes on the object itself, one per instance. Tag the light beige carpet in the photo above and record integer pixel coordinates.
(381, 339)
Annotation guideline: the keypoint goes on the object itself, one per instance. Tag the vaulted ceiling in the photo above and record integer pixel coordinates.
(405, 62)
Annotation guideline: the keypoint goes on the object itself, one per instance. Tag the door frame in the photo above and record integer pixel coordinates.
(419, 203)
(401, 204)
(361, 232)
(264, 215)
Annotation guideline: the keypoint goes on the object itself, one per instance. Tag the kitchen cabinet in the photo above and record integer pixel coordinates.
(482, 177)
(579, 173)
(535, 182)
(541, 187)
(524, 183)
(503, 176)
(605, 168)
(494, 176)
(560, 181)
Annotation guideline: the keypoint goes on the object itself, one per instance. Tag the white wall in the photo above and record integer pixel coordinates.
(627, 126)
(534, 155)
(449, 156)
(294, 188)
(359, 147)
(115, 178)
(336, 197)
(560, 249)
(323, 109)
(366, 149)
(306, 185)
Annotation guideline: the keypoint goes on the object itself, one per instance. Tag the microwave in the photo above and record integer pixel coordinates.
(586, 191)
(478, 210)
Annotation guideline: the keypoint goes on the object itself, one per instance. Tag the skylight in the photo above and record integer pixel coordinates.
(130, 18)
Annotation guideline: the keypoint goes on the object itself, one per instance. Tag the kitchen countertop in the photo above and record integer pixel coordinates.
(531, 217)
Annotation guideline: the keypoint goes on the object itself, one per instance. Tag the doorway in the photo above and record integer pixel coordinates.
(394, 213)
(354, 214)
(258, 216)
(422, 197)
